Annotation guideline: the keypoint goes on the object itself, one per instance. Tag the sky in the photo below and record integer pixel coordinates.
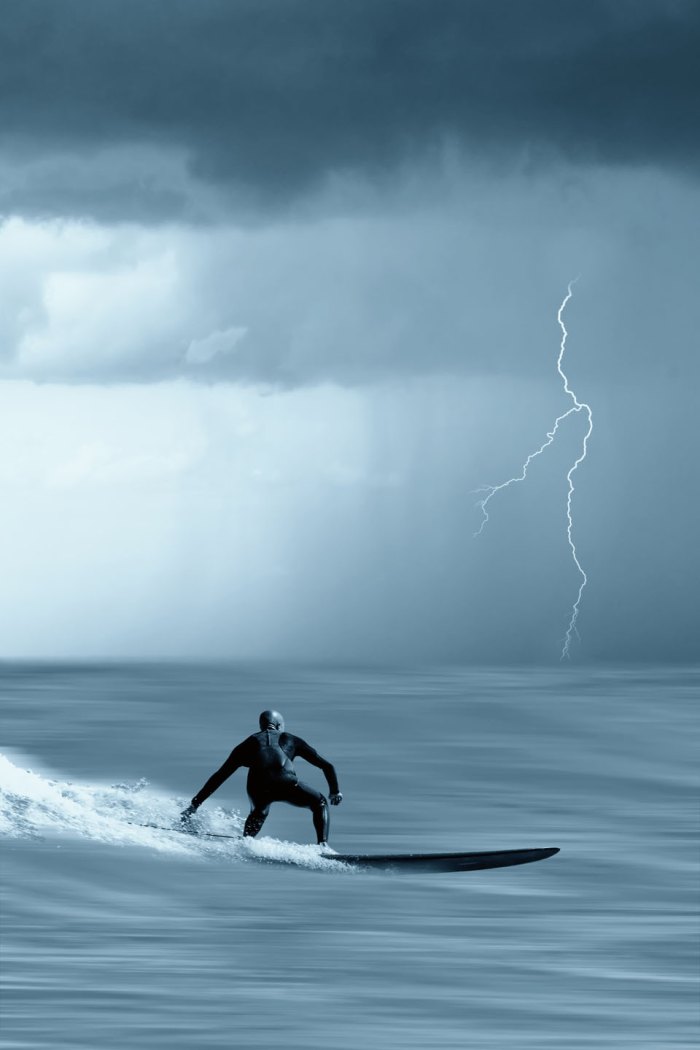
(279, 285)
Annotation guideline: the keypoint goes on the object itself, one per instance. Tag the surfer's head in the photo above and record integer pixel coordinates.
(271, 720)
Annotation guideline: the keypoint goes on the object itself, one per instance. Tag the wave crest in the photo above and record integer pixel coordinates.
(36, 806)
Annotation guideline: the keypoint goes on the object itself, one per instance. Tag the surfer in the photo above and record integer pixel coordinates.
(272, 777)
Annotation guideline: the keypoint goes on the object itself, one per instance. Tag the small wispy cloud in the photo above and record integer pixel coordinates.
(216, 344)
(95, 463)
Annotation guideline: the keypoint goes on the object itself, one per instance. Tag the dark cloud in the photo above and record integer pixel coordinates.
(464, 281)
(265, 98)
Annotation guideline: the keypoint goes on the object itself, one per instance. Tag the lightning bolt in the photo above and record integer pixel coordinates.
(491, 490)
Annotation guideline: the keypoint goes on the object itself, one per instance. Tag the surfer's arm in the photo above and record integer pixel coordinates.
(234, 761)
(305, 751)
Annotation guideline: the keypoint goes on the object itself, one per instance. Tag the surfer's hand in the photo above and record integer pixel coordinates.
(336, 799)
(187, 814)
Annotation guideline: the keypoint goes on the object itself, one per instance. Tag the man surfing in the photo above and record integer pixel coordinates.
(272, 777)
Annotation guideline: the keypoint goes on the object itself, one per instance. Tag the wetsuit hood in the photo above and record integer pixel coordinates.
(271, 720)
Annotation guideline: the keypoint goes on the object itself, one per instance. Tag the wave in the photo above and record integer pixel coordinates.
(37, 806)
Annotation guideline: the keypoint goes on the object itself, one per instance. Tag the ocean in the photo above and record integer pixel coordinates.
(118, 936)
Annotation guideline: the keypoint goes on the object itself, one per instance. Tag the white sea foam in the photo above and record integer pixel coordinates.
(34, 805)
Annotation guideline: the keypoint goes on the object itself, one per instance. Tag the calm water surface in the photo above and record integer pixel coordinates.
(116, 936)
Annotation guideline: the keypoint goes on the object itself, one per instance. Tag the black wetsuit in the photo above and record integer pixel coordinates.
(272, 778)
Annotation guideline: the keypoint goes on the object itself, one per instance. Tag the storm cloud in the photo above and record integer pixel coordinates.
(461, 276)
(264, 101)
(279, 286)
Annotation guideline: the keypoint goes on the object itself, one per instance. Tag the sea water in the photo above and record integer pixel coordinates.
(119, 936)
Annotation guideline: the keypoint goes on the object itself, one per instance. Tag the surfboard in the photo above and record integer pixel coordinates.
(416, 862)
(439, 862)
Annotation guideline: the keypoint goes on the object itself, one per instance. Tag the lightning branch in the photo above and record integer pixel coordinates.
(491, 490)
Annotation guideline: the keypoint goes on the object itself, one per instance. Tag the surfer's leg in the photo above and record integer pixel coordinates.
(302, 795)
(256, 818)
